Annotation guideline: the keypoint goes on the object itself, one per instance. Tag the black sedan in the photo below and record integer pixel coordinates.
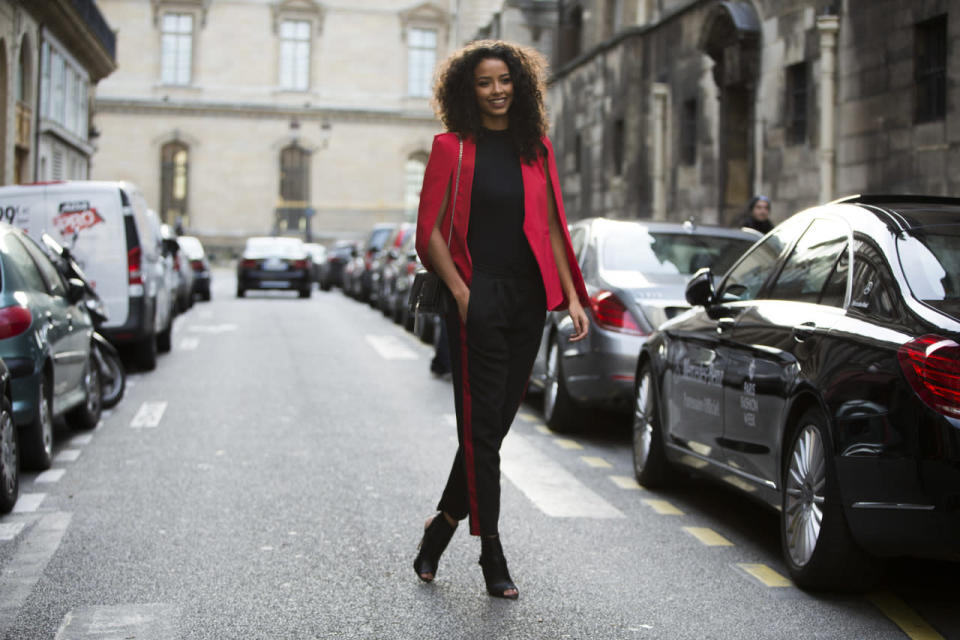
(274, 263)
(822, 376)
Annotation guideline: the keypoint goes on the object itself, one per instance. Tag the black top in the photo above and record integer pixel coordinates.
(495, 236)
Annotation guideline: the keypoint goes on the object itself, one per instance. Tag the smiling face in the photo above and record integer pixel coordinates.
(493, 87)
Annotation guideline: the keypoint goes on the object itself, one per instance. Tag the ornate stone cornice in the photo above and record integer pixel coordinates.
(200, 7)
(77, 34)
(298, 9)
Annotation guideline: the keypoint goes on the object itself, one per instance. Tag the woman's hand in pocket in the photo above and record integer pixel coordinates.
(463, 302)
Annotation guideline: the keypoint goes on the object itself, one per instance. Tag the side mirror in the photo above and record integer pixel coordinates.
(76, 290)
(700, 291)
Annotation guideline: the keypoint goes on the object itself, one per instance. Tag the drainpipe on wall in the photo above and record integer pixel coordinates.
(661, 93)
(827, 26)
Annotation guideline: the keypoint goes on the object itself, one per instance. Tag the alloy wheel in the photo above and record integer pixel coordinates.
(91, 382)
(806, 483)
(8, 453)
(642, 424)
(46, 419)
(552, 386)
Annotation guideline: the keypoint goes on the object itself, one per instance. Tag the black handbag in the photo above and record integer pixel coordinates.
(426, 292)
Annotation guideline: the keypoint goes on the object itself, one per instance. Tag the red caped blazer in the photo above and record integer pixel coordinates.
(441, 170)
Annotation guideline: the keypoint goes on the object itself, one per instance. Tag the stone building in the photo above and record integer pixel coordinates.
(677, 109)
(275, 116)
(52, 55)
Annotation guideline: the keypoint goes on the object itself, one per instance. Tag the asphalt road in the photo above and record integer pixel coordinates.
(271, 477)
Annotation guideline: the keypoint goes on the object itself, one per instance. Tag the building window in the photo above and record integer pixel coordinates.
(618, 145)
(930, 65)
(421, 59)
(294, 189)
(176, 57)
(413, 181)
(688, 132)
(45, 80)
(174, 163)
(58, 89)
(797, 95)
(295, 55)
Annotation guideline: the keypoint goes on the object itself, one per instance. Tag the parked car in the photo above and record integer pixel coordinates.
(635, 272)
(389, 254)
(357, 274)
(318, 258)
(274, 263)
(196, 257)
(337, 257)
(181, 273)
(821, 375)
(9, 453)
(109, 231)
(396, 279)
(46, 339)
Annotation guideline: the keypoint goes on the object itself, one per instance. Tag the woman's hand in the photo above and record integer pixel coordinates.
(463, 301)
(581, 323)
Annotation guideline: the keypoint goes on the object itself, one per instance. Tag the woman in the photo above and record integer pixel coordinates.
(508, 260)
(757, 215)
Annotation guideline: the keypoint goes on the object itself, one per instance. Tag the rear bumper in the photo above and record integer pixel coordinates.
(138, 326)
(297, 279)
(24, 386)
(600, 371)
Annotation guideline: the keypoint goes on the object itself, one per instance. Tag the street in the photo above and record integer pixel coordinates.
(270, 479)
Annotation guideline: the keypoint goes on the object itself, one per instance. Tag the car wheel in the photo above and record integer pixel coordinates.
(306, 293)
(112, 377)
(146, 352)
(650, 464)
(240, 292)
(37, 442)
(326, 286)
(87, 415)
(559, 410)
(164, 338)
(818, 547)
(9, 459)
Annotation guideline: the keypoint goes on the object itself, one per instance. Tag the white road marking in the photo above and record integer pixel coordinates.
(10, 530)
(109, 622)
(213, 328)
(450, 419)
(82, 440)
(553, 489)
(50, 476)
(23, 571)
(149, 415)
(189, 344)
(67, 455)
(28, 503)
(391, 348)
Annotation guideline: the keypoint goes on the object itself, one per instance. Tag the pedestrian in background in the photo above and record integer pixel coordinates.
(493, 176)
(757, 215)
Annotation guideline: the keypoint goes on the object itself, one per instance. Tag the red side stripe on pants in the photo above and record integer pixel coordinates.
(468, 435)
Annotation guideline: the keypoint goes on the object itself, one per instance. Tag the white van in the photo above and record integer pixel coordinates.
(107, 227)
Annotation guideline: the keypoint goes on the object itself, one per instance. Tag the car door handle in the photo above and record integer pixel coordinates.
(803, 331)
(725, 324)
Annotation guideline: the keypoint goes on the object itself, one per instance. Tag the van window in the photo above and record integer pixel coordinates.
(124, 199)
(130, 227)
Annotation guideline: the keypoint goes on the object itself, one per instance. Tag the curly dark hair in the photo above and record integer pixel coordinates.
(455, 99)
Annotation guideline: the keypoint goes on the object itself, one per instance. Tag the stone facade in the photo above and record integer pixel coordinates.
(52, 55)
(682, 109)
(361, 128)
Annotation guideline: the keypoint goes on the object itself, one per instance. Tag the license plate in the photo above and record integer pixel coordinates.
(274, 284)
(274, 264)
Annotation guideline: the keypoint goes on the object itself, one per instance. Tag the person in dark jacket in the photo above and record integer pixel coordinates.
(491, 225)
(757, 215)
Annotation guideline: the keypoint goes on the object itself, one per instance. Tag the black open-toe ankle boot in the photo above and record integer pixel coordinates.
(436, 536)
(495, 571)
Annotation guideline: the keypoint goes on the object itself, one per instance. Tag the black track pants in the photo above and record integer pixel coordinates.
(491, 357)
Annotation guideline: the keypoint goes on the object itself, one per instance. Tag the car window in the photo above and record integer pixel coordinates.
(635, 248)
(55, 284)
(930, 257)
(15, 255)
(578, 236)
(811, 263)
(872, 293)
(747, 276)
(378, 238)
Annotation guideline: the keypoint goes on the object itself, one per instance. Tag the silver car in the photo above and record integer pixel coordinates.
(635, 272)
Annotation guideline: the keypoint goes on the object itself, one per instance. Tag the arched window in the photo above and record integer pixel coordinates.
(294, 189)
(413, 180)
(174, 182)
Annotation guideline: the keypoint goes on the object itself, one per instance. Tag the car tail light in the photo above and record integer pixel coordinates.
(411, 268)
(611, 314)
(196, 265)
(248, 264)
(299, 264)
(176, 263)
(135, 274)
(14, 321)
(931, 365)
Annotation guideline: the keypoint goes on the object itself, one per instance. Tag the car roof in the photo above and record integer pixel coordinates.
(599, 224)
(907, 212)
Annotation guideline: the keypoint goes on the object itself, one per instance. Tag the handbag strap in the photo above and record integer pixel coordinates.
(456, 187)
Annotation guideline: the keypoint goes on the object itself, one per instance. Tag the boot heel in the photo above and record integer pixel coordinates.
(436, 536)
(495, 572)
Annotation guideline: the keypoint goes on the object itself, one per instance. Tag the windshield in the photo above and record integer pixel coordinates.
(284, 247)
(637, 249)
(379, 238)
(930, 257)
